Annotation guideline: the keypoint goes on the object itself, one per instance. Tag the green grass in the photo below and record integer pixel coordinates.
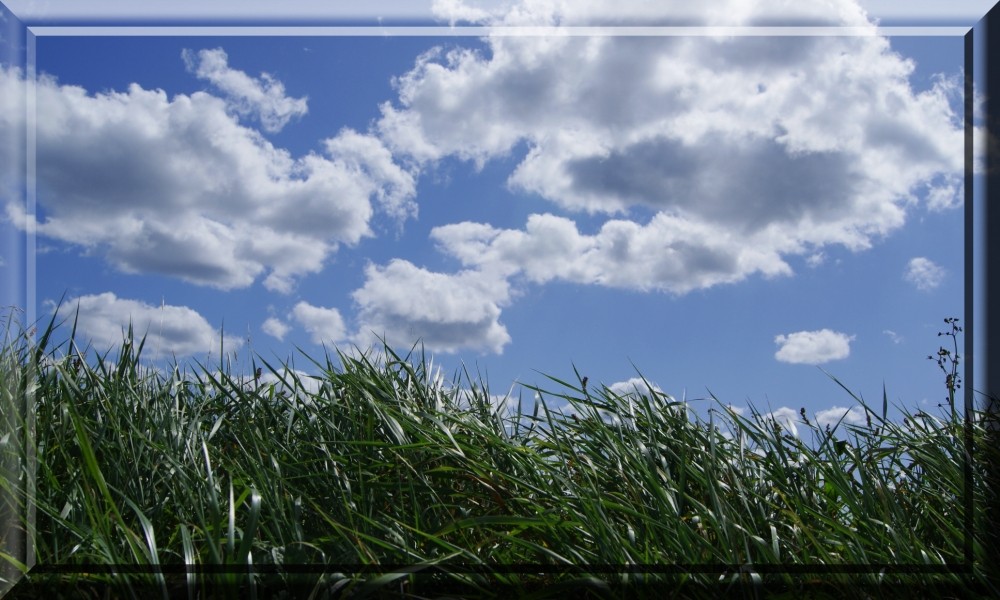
(384, 465)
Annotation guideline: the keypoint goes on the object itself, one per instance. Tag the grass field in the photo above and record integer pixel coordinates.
(377, 464)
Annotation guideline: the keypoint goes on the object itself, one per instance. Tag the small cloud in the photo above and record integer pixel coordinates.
(813, 347)
(786, 418)
(852, 416)
(456, 10)
(169, 330)
(323, 324)
(505, 404)
(633, 386)
(815, 260)
(924, 274)
(403, 303)
(895, 337)
(275, 328)
(631, 391)
(736, 409)
(302, 383)
(945, 196)
(263, 98)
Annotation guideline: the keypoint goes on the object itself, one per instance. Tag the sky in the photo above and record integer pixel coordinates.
(724, 215)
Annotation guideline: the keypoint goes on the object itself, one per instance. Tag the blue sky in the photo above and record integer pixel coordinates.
(726, 214)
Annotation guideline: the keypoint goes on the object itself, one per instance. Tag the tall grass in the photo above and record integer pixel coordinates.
(385, 480)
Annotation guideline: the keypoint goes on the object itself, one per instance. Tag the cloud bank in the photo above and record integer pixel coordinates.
(709, 159)
(705, 160)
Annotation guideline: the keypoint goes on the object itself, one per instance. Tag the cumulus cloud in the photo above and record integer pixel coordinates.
(739, 410)
(815, 260)
(635, 385)
(275, 328)
(169, 330)
(629, 388)
(786, 418)
(325, 325)
(712, 159)
(503, 404)
(813, 347)
(447, 312)
(831, 416)
(677, 12)
(365, 157)
(669, 253)
(457, 10)
(745, 149)
(300, 383)
(924, 274)
(180, 188)
(945, 196)
(263, 99)
(12, 107)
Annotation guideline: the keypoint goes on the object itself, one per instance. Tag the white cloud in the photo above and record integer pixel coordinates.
(946, 195)
(635, 385)
(275, 328)
(178, 187)
(12, 107)
(669, 253)
(298, 381)
(924, 274)
(300, 385)
(590, 12)
(786, 418)
(503, 404)
(745, 148)
(921, 11)
(457, 10)
(737, 409)
(739, 151)
(366, 158)
(403, 303)
(629, 388)
(169, 330)
(895, 337)
(813, 347)
(263, 98)
(325, 325)
(852, 416)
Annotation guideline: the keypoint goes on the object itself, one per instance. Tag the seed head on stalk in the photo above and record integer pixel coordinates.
(952, 380)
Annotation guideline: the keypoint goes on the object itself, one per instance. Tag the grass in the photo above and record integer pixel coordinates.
(387, 482)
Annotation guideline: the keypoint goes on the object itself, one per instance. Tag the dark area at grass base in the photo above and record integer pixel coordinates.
(435, 587)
